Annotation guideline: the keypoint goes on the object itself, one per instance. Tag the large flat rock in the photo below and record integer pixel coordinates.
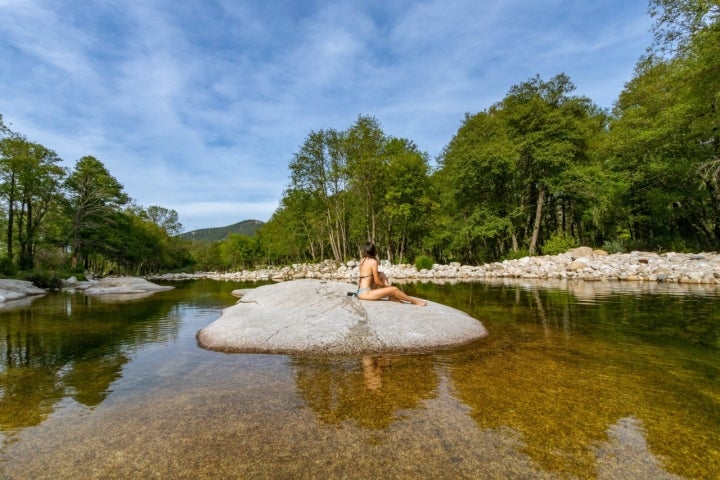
(317, 317)
(124, 286)
(17, 289)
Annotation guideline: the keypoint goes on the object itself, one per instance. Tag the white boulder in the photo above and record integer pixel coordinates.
(17, 289)
(318, 317)
(124, 285)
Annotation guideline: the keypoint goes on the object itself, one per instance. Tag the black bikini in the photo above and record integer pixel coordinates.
(362, 290)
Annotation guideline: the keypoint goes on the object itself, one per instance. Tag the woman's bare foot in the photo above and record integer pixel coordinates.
(418, 302)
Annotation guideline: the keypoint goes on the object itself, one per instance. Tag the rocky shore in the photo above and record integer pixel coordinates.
(20, 292)
(582, 263)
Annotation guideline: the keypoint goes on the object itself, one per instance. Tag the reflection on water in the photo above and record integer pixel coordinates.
(562, 373)
(370, 391)
(67, 345)
(568, 384)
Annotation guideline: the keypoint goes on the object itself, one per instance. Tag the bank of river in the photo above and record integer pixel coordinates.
(579, 264)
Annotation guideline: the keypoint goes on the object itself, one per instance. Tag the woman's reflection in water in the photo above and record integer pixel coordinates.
(367, 390)
(373, 368)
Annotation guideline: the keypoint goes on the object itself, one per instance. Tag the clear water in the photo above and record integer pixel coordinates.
(573, 381)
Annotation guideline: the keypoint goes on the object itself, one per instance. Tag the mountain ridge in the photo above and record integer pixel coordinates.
(244, 227)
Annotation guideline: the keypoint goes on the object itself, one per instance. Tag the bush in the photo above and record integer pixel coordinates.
(44, 279)
(520, 253)
(559, 242)
(614, 246)
(7, 269)
(423, 262)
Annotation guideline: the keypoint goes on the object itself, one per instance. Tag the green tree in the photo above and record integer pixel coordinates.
(291, 234)
(678, 22)
(164, 218)
(514, 170)
(481, 191)
(407, 199)
(665, 135)
(31, 180)
(239, 251)
(364, 144)
(547, 125)
(92, 194)
(320, 169)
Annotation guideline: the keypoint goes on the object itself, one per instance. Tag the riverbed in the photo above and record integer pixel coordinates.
(613, 383)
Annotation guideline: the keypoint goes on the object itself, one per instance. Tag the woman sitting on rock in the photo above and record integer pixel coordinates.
(373, 285)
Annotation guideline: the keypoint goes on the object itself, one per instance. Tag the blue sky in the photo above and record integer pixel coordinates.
(200, 105)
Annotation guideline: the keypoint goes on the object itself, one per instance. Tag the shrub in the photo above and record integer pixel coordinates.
(520, 253)
(44, 279)
(559, 242)
(423, 262)
(615, 245)
(7, 269)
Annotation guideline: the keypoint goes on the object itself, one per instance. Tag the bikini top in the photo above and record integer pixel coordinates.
(363, 276)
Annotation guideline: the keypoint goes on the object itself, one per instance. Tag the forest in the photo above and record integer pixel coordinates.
(538, 172)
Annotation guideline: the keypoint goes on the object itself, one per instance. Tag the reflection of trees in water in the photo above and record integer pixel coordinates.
(563, 375)
(370, 391)
(70, 346)
(88, 380)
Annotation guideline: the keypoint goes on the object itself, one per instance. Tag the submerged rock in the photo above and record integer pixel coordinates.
(318, 317)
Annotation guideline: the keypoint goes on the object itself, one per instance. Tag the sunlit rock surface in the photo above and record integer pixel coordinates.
(124, 285)
(318, 317)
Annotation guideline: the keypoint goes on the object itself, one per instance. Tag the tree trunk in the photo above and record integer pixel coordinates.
(538, 221)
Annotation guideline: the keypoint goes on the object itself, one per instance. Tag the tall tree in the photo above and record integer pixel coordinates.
(291, 234)
(367, 165)
(547, 124)
(92, 194)
(407, 200)
(320, 169)
(665, 136)
(481, 189)
(509, 170)
(31, 186)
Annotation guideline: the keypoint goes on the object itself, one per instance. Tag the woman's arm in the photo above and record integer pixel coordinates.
(378, 278)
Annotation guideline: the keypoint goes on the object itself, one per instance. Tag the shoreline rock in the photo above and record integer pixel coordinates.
(583, 264)
(12, 290)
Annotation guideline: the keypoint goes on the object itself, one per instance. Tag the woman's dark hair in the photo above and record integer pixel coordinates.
(369, 250)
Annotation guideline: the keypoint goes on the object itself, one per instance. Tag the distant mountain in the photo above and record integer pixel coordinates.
(246, 227)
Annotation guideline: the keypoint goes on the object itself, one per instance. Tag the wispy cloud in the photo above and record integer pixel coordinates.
(199, 106)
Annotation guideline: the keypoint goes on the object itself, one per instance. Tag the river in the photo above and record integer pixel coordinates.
(611, 383)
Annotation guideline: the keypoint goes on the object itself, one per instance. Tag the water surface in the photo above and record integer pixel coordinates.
(613, 381)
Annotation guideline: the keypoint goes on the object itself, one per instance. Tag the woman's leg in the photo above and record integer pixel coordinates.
(392, 292)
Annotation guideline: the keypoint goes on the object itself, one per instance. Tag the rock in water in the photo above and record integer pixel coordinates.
(318, 317)
(124, 285)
